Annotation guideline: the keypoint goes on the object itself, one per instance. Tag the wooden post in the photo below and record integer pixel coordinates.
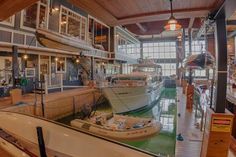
(218, 125)
(46, 83)
(61, 82)
(189, 96)
(15, 65)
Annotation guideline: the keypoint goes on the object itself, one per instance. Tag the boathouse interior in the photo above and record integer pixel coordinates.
(108, 78)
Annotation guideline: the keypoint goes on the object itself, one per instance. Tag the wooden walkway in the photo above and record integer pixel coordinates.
(191, 146)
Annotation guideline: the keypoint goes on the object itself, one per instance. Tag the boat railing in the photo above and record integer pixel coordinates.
(111, 129)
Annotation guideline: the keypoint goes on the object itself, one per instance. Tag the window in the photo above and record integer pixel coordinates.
(30, 16)
(61, 65)
(6, 69)
(9, 21)
(72, 24)
(99, 34)
(157, 50)
(36, 15)
(127, 46)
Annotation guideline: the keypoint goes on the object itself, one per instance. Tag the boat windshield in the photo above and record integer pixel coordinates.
(133, 78)
(147, 69)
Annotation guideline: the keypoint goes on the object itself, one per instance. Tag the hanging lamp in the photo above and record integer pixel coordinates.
(172, 24)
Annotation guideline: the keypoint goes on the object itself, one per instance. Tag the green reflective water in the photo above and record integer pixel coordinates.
(165, 111)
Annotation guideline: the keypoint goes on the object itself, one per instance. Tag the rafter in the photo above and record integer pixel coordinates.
(164, 15)
(141, 27)
(191, 21)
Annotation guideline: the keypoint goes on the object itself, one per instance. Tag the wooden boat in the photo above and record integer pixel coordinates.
(135, 91)
(56, 40)
(18, 135)
(119, 127)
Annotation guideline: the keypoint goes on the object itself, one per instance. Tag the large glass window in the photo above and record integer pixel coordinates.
(72, 24)
(164, 53)
(157, 50)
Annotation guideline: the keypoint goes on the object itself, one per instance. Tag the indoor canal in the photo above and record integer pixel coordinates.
(164, 110)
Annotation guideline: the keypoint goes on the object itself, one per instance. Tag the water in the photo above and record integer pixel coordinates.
(165, 111)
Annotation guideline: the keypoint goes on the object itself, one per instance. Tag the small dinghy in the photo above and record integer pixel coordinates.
(119, 127)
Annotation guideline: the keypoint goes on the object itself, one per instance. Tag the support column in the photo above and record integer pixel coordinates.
(141, 50)
(190, 87)
(15, 65)
(121, 68)
(218, 125)
(92, 68)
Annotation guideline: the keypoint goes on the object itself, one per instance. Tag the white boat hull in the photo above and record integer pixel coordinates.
(127, 135)
(126, 99)
(61, 140)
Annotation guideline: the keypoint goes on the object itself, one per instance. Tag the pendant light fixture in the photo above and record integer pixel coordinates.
(172, 24)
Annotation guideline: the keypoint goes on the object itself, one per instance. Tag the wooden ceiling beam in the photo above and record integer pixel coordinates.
(164, 15)
(11, 7)
(96, 10)
(141, 27)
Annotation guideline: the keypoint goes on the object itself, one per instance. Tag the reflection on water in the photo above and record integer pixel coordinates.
(165, 111)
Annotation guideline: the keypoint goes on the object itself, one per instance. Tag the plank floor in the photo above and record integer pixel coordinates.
(191, 146)
(30, 98)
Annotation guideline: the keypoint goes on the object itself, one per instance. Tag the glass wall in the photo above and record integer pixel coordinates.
(126, 46)
(164, 53)
(159, 50)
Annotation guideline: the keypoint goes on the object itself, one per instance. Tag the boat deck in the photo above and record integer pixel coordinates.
(3, 153)
(186, 126)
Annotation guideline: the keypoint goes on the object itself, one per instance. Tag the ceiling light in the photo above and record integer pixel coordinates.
(172, 24)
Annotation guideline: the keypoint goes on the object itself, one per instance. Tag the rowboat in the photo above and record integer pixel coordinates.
(119, 127)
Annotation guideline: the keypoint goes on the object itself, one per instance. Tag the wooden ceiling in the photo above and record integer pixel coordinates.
(143, 16)
(10, 7)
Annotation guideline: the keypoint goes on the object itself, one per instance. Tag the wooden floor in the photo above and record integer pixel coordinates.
(191, 146)
(185, 126)
(30, 98)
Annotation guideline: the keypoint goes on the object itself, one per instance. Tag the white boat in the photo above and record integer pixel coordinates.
(130, 92)
(56, 40)
(20, 136)
(118, 127)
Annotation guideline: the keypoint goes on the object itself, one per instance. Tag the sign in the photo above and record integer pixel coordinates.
(221, 124)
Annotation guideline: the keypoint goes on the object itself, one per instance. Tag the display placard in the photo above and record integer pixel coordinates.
(221, 124)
